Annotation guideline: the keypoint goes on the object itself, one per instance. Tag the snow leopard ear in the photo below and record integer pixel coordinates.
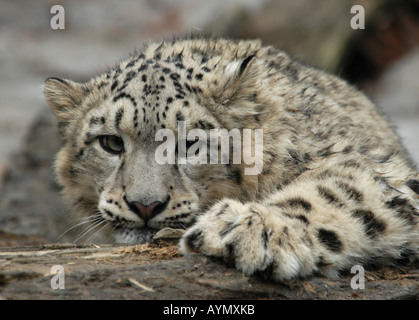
(240, 78)
(237, 68)
(63, 97)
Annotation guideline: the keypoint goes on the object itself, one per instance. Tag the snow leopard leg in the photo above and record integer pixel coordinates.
(320, 224)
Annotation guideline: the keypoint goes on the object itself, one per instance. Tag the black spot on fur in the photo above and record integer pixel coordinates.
(204, 125)
(117, 72)
(230, 259)
(363, 149)
(302, 218)
(175, 76)
(228, 228)
(196, 90)
(122, 87)
(194, 241)
(235, 174)
(124, 95)
(157, 56)
(178, 57)
(179, 116)
(94, 120)
(178, 86)
(298, 159)
(385, 158)
(347, 149)
(292, 73)
(403, 209)
(350, 191)
(114, 85)
(131, 63)
(204, 59)
(298, 203)
(142, 67)
(89, 139)
(109, 213)
(80, 154)
(407, 257)
(265, 239)
(129, 76)
(330, 240)
(188, 87)
(329, 196)
(223, 210)
(351, 164)
(325, 152)
(118, 117)
(414, 185)
(373, 225)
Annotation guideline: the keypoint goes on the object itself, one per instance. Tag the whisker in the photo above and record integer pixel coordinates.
(91, 218)
(82, 234)
(114, 228)
(97, 232)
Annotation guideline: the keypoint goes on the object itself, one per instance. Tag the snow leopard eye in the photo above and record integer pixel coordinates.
(112, 144)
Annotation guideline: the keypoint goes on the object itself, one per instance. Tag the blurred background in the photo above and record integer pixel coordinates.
(382, 60)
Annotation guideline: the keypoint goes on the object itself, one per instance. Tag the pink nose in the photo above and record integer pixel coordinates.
(147, 212)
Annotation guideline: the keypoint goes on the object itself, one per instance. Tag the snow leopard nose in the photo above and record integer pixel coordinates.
(147, 212)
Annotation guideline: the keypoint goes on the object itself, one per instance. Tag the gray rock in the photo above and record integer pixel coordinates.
(158, 272)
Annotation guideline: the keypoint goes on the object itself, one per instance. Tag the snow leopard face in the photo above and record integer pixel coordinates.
(115, 125)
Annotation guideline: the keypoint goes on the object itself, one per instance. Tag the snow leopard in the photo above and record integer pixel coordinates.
(336, 187)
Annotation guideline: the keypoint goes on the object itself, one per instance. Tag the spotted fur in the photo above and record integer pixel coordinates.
(337, 188)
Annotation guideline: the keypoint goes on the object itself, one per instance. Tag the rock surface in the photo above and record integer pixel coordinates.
(156, 271)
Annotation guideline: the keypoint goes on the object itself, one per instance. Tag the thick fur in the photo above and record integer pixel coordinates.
(337, 188)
